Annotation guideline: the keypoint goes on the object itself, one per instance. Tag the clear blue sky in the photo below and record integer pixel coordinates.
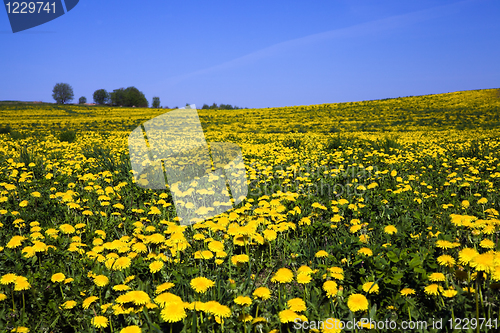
(256, 53)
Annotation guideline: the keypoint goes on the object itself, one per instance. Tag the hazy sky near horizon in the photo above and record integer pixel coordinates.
(256, 53)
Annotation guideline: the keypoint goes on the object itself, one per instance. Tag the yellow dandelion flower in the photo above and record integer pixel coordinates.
(156, 266)
(105, 307)
(101, 280)
(8, 278)
(100, 322)
(495, 273)
(487, 244)
(304, 269)
(88, 301)
(100, 233)
(39, 246)
(436, 277)
(304, 278)
(489, 229)
(68, 305)
(163, 287)
(444, 244)
(270, 235)
(216, 246)
(355, 228)
(449, 293)
(336, 272)
(219, 310)
(343, 202)
(259, 320)
(296, 305)
(262, 293)
(201, 284)
(243, 300)
(173, 313)
(466, 255)
(364, 238)
(407, 291)
(21, 283)
(446, 260)
(203, 255)
(365, 251)
(321, 254)
(122, 299)
(121, 287)
(245, 317)
(283, 275)
(357, 302)
(470, 290)
(67, 228)
(482, 201)
(331, 288)
(139, 248)
(287, 316)
(167, 298)
(433, 289)
(239, 259)
(121, 263)
(15, 241)
(390, 229)
(131, 329)
(199, 237)
(58, 277)
(129, 278)
(138, 297)
(483, 262)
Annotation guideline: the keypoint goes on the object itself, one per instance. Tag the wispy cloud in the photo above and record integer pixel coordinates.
(364, 29)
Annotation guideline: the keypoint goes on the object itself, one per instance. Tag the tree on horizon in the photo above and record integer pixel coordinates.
(101, 96)
(62, 93)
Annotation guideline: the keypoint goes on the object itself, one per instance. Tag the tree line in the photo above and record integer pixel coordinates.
(214, 106)
(129, 97)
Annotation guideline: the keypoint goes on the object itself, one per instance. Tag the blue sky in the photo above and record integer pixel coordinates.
(256, 53)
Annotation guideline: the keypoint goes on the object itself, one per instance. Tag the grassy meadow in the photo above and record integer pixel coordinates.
(383, 210)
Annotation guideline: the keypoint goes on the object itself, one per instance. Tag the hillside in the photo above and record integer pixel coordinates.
(398, 205)
(474, 109)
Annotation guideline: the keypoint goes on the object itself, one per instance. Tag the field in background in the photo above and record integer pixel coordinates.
(377, 209)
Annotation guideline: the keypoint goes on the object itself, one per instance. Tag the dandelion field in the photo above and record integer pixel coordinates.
(378, 209)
